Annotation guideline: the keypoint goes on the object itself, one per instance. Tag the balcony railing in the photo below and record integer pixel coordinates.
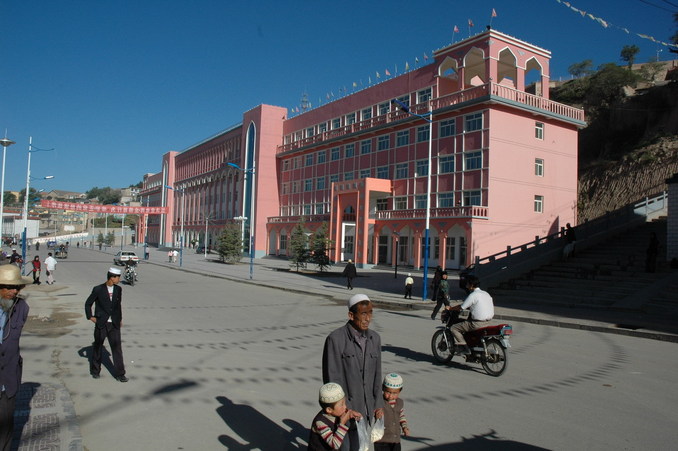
(467, 95)
(298, 218)
(437, 213)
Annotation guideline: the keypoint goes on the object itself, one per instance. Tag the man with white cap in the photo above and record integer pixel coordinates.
(352, 359)
(13, 315)
(107, 319)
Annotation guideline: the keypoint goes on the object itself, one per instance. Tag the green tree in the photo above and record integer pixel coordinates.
(33, 197)
(320, 244)
(100, 238)
(299, 246)
(650, 70)
(105, 195)
(229, 244)
(605, 86)
(581, 69)
(9, 198)
(628, 54)
(110, 238)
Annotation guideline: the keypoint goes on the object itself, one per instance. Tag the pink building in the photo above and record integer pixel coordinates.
(502, 165)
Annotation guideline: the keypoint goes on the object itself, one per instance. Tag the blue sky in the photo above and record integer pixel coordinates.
(112, 85)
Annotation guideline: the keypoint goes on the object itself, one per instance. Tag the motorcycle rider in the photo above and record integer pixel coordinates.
(481, 311)
(130, 270)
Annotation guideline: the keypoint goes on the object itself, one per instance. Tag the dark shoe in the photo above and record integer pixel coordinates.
(95, 376)
(122, 378)
(462, 350)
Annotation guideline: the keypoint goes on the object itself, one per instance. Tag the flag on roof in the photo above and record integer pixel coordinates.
(470, 23)
(456, 29)
(494, 13)
(388, 74)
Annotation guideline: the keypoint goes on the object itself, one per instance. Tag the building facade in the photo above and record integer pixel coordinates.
(465, 145)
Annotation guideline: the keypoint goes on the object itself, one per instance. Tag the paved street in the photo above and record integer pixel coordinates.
(217, 363)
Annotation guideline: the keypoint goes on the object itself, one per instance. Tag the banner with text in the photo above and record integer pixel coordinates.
(97, 208)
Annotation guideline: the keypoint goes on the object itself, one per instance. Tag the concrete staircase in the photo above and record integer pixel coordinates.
(608, 276)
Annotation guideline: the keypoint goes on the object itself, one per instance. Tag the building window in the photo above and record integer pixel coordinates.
(383, 108)
(322, 155)
(336, 123)
(365, 146)
(307, 209)
(401, 171)
(445, 200)
(295, 187)
(334, 178)
(308, 185)
(539, 130)
(283, 242)
(349, 150)
(285, 188)
(472, 198)
(309, 160)
(322, 127)
(320, 183)
(319, 209)
(422, 168)
(445, 164)
(382, 172)
(400, 203)
(424, 95)
(334, 153)
(403, 138)
(473, 160)
(295, 163)
(382, 204)
(450, 248)
(364, 173)
(309, 132)
(350, 118)
(447, 128)
(420, 201)
(286, 165)
(422, 133)
(384, 142)
(539, 167)
(348, 175)
(473, 122)
(366, 114)
(539, 204)
(405, 100)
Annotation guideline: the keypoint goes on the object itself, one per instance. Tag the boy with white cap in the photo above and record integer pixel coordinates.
(394, 414)
(329, 425)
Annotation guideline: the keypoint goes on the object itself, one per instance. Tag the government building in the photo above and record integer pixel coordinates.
(458, 143)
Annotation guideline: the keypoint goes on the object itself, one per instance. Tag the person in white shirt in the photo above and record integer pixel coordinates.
(50, 266)
(481, 311)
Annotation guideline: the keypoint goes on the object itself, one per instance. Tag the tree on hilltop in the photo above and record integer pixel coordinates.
(628, 54)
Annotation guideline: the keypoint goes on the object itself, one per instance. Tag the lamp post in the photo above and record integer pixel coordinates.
(181, 233)
(146, 231)
(5, 143)
(251, 217)
(428, 117)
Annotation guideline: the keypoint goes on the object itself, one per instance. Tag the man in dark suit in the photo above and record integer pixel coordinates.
(107, 319)
(13, 315)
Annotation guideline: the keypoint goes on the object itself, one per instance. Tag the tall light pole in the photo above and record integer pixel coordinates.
(428, 117)
(24, 237)
(251, 218)
(5, 143)
(181, 233)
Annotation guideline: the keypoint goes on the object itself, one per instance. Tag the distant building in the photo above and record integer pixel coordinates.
(503, 165)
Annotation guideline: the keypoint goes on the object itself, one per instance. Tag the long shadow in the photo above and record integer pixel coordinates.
(22, 410)
(106, 360)
(258, 431)
(489, 441)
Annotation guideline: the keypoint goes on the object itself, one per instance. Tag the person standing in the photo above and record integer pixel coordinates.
(352, 359)
(409, 283)
(13, 315)
(50, 267)
(651, 253)
(107, 319)
(36, 270)
(435, 284)
(443, 295)
(350, 273)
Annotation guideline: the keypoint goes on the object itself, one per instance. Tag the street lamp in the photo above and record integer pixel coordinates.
(251, 217)
(428, 117)
(5, 143)
(31, 149)
(181, 233)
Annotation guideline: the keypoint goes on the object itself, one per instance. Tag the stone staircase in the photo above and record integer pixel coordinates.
(609, 276)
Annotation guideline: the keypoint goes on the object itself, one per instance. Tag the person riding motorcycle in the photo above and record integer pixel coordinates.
(481, 311)
(130, 270)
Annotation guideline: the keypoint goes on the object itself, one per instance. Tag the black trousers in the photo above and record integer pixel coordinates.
(113, 334)
(7, 406)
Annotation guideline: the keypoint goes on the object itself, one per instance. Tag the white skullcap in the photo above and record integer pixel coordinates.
(115, 271)
(393, 380)
(331, 393)
(357, 298)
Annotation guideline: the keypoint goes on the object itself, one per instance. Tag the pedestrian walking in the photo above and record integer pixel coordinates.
(13, 315)
(409, 283)
(107, 318)
(50, 267)
(435, 284)
(350, 273)
(36, 269)
(443, 296)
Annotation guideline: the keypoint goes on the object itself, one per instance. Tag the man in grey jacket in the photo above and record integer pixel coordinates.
(352, 359)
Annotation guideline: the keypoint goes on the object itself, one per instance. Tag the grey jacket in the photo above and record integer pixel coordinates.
(11, 363)
(360, 377)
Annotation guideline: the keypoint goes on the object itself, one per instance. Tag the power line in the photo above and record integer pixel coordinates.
(659, 6)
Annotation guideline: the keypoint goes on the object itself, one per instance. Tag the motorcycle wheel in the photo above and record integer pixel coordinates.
(496, 360)
(441, 351)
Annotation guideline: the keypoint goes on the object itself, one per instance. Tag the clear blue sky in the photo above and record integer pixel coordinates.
(112, 85)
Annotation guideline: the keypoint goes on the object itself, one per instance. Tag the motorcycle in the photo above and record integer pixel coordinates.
(130, 272)
(488, 345)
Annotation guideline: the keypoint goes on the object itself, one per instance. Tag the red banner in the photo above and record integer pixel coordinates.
(97, 208)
